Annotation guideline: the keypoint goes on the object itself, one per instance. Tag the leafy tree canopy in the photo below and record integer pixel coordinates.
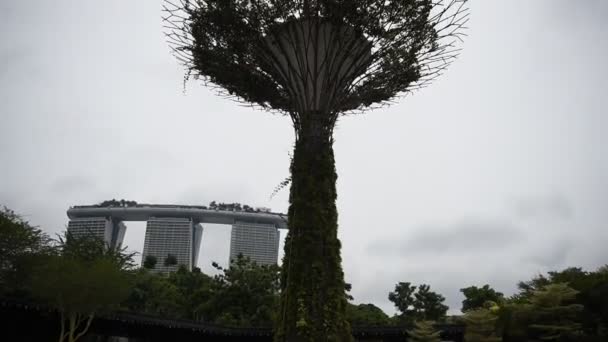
(224, 42)
(476, 297)
(153, 294)
(551, 315)
(245, 294)
(91, 248)
(20, 243)
(170, 260)
(83, 280)
(592, 294)
(418, 302)
(150, 261)
(366, 315)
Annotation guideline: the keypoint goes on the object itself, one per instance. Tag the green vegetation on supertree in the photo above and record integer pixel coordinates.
(314, 61)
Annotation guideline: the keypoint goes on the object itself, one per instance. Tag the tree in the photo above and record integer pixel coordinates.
(424, 331)
(84, 279)
(594, 297)
(20, 244)
(552, 316)
(592, 294)
(403, 298)
(429, 305)
(315, 60)
(366, 315)
(79, 290)
(150, 261)
(89, 248)
(195, 292)
(170, 260)
(153, 294)
(417, 303)
(476, 297)
(548, 314)
(481, 325)
(245, 294)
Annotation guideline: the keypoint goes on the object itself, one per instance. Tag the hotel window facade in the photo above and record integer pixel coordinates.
(172, 236)
(259, 242)
(112, 233)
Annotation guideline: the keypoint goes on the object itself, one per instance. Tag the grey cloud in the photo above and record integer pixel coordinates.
(469, 236)
(19, 54)
(554, 206)
(552, 254)
(67, 185)
(581, 13)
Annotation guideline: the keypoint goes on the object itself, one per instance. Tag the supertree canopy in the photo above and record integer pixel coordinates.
(314, 60)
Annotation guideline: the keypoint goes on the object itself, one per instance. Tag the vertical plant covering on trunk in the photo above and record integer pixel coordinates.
(313, 303)
(314, 60)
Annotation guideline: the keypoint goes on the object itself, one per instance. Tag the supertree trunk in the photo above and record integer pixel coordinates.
(313, 301)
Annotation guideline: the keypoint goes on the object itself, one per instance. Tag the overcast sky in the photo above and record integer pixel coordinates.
(496, 172)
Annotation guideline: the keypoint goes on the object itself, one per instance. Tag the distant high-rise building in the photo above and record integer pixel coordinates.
(179, 237)
(111, 232)
(259, 242)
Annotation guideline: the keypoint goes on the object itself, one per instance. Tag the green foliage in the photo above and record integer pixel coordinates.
(481, 325)
(79, 290)
(552, 317)
(246, 294)
(18, 237)
(313, 300)
(20, 246)
(153, 294)
(424, 331)
(90, 248)
(429, 304)
(243, 295)
(548, 313)
(592, 295)
(83, 280)
(195, 291)
(77, 286)
(114, 203)
(417, 303)
(150, 262)
(403, 298)
(232, 207)
(170, 260)
(477, 297)
(366, 315)
(226, 39)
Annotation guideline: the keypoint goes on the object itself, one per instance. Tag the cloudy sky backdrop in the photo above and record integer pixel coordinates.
(496, 172)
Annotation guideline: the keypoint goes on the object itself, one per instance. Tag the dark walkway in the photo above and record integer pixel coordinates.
(25, 322)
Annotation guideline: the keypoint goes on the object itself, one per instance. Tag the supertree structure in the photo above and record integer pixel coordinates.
(314, 60)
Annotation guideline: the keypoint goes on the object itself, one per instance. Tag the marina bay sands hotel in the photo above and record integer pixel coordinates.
(177, 230)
